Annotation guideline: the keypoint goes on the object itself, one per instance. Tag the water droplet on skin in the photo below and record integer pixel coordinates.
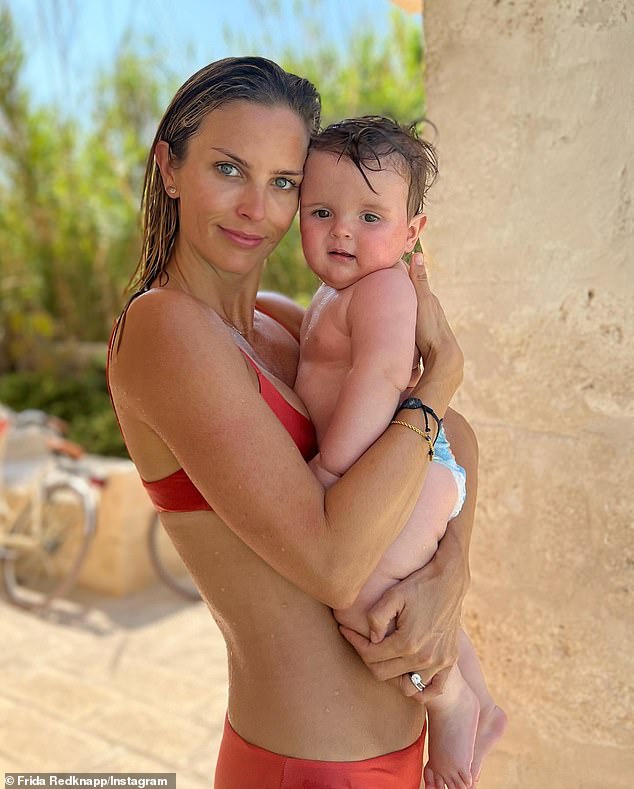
(284, 605)
(222, 588)
(327, 709)
(336, 693)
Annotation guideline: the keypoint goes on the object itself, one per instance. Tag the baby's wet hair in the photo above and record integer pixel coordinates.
(367, 141)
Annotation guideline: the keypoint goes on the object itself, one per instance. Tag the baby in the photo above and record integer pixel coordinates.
(361, 210)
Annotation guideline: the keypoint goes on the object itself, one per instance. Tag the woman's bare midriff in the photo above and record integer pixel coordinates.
(296, 687)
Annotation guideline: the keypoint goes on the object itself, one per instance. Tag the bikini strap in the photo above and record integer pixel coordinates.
(258, 372)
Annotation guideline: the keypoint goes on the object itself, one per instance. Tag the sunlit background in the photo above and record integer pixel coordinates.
(83, 85)
(68, 43)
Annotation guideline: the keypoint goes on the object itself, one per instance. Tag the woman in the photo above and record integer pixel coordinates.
(201, 382)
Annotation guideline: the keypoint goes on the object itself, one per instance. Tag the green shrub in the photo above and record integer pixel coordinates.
(79, 397)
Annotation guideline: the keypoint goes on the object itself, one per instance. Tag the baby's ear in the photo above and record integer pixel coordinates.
(414, 229)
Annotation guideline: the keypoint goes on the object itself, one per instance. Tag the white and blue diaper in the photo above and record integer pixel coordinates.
(444, 456)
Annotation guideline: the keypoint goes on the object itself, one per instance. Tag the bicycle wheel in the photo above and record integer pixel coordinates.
(61, 526)
(167, 563)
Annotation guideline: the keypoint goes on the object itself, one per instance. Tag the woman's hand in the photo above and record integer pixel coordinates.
(426, 605)
(442, 357)
(427, 615)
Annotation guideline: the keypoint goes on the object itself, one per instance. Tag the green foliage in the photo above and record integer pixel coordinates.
(374, 75)
(69, 228)
(81, 399)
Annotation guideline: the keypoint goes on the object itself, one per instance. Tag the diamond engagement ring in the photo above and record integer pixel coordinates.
(417, 681)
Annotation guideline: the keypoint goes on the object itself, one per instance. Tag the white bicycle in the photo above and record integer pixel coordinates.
(47, 523)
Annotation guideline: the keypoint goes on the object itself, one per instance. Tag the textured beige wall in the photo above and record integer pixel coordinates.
(531, 231)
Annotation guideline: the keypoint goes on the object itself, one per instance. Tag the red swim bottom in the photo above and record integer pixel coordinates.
(245, 766)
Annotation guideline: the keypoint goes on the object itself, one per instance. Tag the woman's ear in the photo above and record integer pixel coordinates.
(162, 159)
(415, 228)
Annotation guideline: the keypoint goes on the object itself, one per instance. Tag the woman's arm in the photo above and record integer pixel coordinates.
(427, 605)
(179, 372)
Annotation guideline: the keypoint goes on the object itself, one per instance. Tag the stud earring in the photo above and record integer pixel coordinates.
(171, 190)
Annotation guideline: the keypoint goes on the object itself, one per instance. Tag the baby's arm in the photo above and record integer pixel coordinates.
(381, 318)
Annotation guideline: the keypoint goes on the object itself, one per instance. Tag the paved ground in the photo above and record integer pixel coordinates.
(136, 684)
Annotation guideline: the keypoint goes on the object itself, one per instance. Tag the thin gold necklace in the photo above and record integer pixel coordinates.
(231, 326)
(185, 287)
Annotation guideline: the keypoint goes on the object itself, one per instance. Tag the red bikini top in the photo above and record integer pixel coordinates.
(177, 493)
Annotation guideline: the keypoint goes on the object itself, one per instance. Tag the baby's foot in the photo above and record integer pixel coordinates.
(491, 726)
(452, 733)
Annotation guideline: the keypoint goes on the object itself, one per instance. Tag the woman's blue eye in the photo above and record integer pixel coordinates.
(225, 168)
(370, 218)
(322, 213)
(285, 183)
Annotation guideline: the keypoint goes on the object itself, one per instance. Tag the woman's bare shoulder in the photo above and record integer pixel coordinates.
(161, 314)
(164, 304)
(166, 338)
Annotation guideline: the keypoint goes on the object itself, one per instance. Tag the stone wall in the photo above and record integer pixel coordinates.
(530, 233)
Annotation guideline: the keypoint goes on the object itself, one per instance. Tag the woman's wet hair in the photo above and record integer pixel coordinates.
(252, 79)
(370, 140)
